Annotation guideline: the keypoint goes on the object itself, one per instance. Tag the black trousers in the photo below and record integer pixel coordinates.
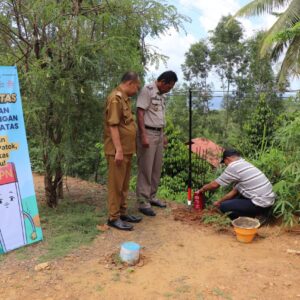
(242, 207)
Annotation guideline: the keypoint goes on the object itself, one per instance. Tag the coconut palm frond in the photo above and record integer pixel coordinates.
(282, 36)
(268, 41)
(292, 13)
(276, 14)
(288, 34)
(278, 49)
(286, 20)
(275, 50)
(291, 62)
(259, 7)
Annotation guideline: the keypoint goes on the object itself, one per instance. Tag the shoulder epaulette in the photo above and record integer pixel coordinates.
(116, 96)
(119, 94)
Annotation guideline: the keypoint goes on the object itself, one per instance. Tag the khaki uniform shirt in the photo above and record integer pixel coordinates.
(118, 113)
(153, 103)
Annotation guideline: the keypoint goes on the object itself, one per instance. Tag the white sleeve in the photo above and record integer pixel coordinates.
(144, 100)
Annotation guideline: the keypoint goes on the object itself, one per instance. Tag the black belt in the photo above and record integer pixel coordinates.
(153, 128)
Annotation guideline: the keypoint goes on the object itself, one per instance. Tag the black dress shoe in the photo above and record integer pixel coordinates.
(157, 202)
(119, 224)
(147, 211)
(131, 218)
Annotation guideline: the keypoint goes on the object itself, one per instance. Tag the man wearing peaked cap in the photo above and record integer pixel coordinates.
(251, 194)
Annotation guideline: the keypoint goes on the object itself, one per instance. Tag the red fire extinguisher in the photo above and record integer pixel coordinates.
(199, 200)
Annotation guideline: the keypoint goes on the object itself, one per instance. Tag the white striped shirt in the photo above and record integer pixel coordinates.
(249, 181)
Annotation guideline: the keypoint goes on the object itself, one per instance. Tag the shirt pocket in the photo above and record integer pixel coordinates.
(156, 105)
(127, 115)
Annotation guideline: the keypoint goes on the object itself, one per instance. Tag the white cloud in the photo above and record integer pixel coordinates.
(172, 44)
(205, 16)
(211, 11)
(252, 25)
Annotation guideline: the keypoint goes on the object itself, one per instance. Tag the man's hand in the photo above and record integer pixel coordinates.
(204, 189)
(119, 157)
(141, 125)
(209, 187)
(165, 141)
(217, 203)
(115, 136)
(144, 141)
(228, 196)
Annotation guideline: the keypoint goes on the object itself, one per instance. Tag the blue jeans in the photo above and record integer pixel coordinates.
(242, 207)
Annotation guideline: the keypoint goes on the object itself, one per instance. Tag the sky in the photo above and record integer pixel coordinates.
(204, 15)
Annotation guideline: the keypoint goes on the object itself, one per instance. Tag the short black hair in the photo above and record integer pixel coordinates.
(130, 76)
(229, 153)
(167, 77)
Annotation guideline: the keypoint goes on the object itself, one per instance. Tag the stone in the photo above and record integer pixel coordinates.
(103, 227)
(42, 266)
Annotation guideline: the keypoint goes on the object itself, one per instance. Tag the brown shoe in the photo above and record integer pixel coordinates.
(157, 202)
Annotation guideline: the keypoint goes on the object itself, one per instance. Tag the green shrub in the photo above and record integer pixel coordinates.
(175, 172)
(281, 165)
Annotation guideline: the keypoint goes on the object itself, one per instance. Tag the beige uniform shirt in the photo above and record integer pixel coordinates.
(153, 103)
(118, 112)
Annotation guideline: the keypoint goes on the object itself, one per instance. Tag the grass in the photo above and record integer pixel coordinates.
(68, 227)
(23, 253)
(65, 228)
(216, 220)
(220, 293)
(183, 289)
(99, 288)
(168, 295)
(116, 277)
(117, 259)
(200, 296)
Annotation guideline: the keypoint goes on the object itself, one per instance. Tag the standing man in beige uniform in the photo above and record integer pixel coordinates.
(119, 146)
(151, 140)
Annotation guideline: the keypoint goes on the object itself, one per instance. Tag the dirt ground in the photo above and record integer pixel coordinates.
(179, 260)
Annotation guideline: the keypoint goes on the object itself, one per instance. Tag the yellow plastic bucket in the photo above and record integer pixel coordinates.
(245, 228)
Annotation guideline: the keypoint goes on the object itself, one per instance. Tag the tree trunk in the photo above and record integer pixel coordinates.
(53, 186)
(60, 185)
(60, 190)
(97, 160)
(54, 173)
(50, 190)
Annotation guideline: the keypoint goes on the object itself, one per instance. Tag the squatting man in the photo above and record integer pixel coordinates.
(251, 194)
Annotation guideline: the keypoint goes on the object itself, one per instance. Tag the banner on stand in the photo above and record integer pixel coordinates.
(19, 217)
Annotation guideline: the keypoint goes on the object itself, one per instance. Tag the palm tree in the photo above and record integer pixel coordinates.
(283, 37)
